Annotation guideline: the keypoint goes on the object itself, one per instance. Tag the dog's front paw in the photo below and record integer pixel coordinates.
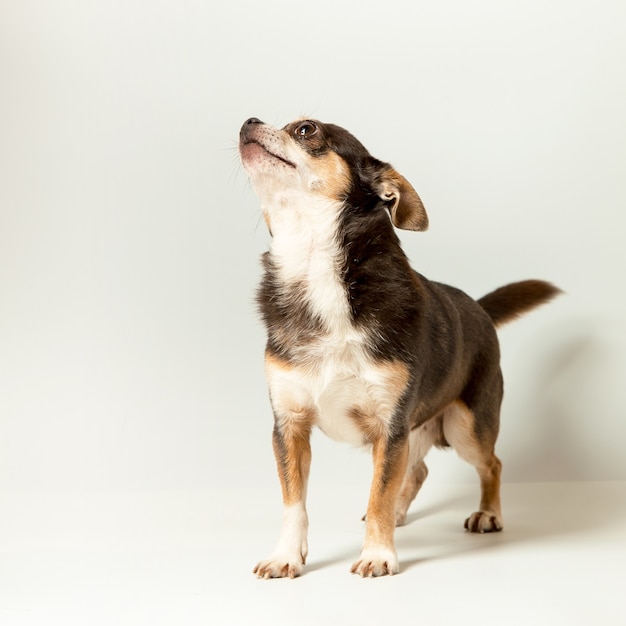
(483, 522)
(279, 568)
(376, 562)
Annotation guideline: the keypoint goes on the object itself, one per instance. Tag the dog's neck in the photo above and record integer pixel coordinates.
(306, 252)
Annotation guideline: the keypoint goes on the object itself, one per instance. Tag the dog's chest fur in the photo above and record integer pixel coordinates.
(319, 361)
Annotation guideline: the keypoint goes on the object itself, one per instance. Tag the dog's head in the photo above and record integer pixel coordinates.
(307, 161)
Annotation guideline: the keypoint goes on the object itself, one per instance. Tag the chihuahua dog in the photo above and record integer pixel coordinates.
(361, 345)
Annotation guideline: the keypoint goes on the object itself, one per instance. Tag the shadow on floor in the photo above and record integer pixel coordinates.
(533, 513)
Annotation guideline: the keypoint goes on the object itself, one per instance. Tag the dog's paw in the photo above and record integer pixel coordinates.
(279, 568)
(483, 522)
(376, 562)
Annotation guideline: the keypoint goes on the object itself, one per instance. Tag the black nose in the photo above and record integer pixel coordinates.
(247, 128)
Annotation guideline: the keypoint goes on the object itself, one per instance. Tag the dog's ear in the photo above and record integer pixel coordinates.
(405, 206)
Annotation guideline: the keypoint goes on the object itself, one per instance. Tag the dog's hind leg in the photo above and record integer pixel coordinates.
(421, 440)
(459, 427)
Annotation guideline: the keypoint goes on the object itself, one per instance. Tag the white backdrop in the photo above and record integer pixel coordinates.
(130, 350)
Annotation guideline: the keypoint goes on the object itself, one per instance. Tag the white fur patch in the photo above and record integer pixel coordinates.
(458, 428)
(421, 440)
(306, 251)
(290, 553)
(377, 561)
(335, 387)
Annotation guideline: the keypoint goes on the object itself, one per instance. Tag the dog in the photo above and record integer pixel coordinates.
(361, 345)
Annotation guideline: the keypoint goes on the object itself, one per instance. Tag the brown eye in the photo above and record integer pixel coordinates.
(305, 130)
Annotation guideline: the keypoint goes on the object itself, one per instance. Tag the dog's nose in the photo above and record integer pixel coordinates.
(248, 127)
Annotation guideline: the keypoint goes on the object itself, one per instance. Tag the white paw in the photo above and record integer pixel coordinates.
(280, 567)
(483, 522)
(290, 554)
(379, 561)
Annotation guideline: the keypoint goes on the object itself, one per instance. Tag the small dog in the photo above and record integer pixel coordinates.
(361, 345)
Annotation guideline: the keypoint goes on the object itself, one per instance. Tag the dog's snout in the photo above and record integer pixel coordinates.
(248, 127)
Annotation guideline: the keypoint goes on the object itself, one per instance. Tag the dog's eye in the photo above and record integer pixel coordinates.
(305, 130)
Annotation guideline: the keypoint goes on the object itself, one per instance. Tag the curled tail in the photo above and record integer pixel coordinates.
(509, 302)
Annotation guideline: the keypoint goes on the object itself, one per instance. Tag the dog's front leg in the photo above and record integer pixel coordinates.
(293, 458)
(378, 556)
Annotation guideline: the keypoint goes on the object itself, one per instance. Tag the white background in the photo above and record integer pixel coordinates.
(130, 348)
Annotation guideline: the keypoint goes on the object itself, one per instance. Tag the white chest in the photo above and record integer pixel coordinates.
(306, 252)
(350, 397)
(332, 381)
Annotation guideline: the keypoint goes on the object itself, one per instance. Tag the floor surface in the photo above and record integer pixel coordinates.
(186, 558)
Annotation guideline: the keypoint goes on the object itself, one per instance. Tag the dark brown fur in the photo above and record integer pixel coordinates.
(508, 303)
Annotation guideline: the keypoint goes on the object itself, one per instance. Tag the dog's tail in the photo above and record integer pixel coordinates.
(509, 302)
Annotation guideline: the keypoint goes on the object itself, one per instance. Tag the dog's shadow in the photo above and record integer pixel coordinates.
(536, 513)
(352, 552)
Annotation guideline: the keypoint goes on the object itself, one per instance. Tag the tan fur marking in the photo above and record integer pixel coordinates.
(413, 480)
(397, 376)
(292, 449)
(368, 424)
(294, 462)
(372, 418)
(275, 361)
(381, 521)
(333, 174)
(459, 430)
(490, 485)
(266, 217)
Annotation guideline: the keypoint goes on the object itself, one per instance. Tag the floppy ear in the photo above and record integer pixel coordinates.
(405, 206)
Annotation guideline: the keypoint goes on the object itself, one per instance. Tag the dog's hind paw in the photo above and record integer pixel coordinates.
(278, 568)
(483, 522)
